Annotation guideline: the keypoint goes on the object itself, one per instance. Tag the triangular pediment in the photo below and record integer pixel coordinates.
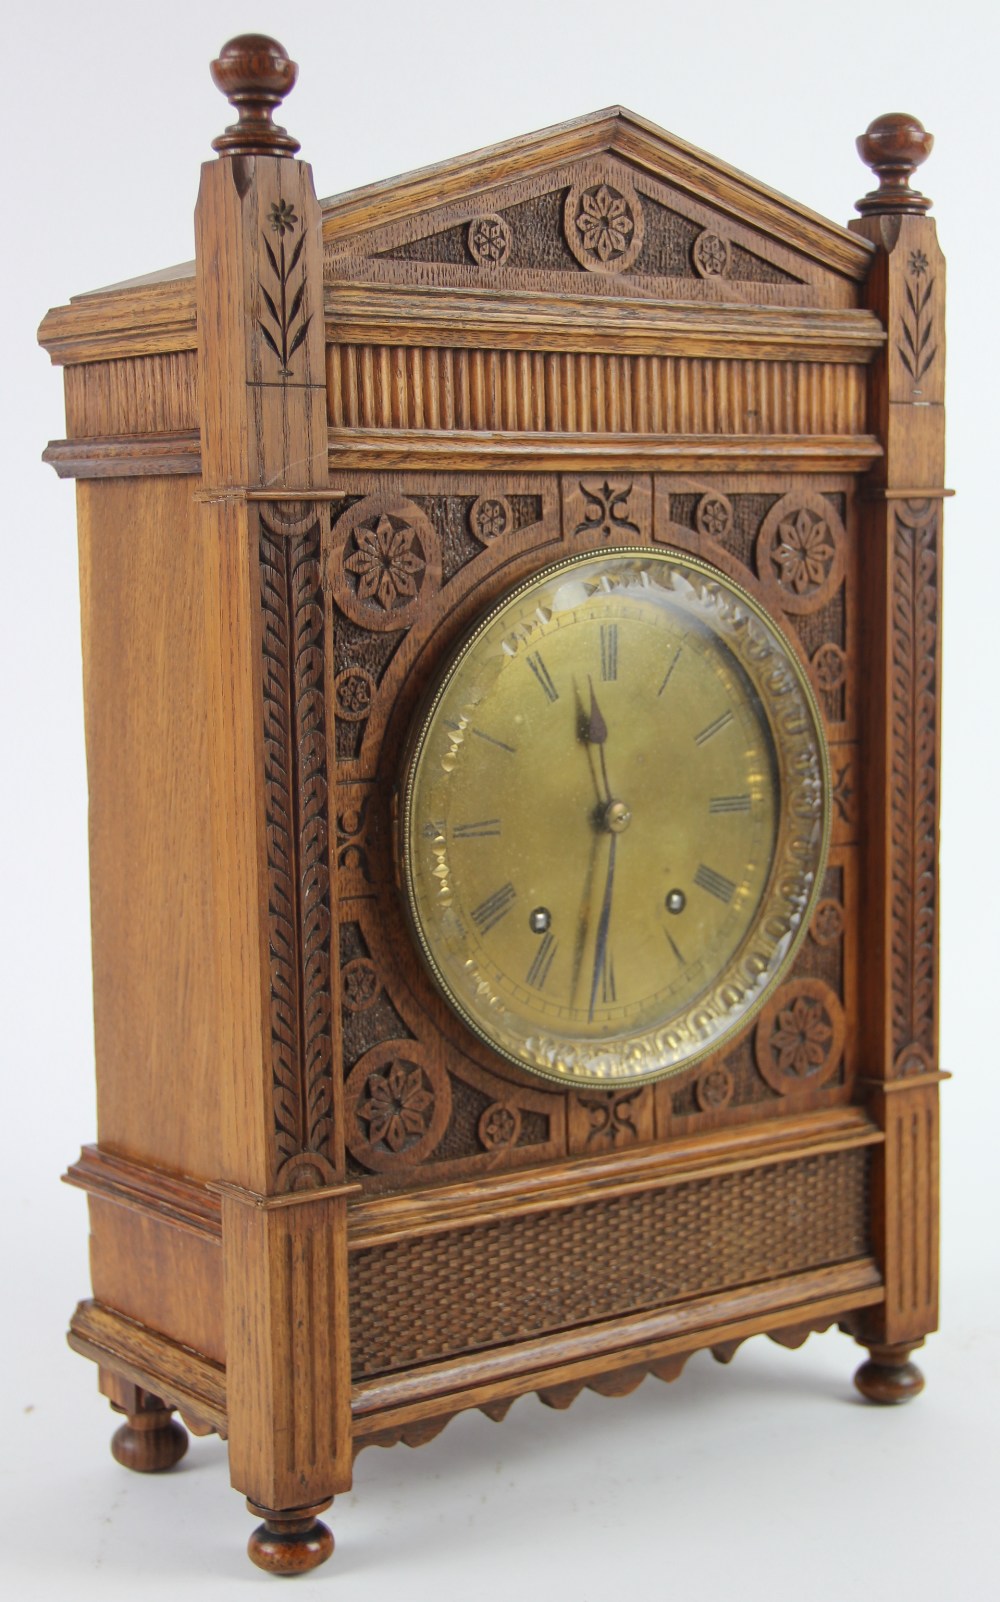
(608, 204)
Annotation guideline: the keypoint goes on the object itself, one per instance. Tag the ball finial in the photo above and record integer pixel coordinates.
(255, 74)
(894, 146)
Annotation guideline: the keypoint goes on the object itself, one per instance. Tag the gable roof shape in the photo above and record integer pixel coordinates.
(615, 131)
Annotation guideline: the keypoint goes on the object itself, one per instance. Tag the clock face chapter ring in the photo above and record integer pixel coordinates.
(615, 817)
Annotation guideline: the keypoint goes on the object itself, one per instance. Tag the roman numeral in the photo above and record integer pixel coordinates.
(539, 970)
(670, 669)
(489, 912)
(729, 803)
(609, 651)
(476, 831)
(715, 883)
(543, 675)
(713, 728)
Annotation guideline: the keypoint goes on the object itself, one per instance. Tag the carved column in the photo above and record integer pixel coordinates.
(902, 575)
(264, 449)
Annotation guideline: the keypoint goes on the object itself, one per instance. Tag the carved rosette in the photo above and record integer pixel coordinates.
(490, 516)
(913, 783)
(714, 1089)
(499, 1126)
(360, 985)
(800, 551)
(710, 255)
(603, 223)
(827, 925)
(800, 1036)
(713, 516)
(386, 554)
(397, 1102)
(296, 805)
(489, 239)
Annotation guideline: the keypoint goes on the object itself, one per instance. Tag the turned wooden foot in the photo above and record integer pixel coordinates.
(150, 1441)
(888, 1376)
(291, 1541)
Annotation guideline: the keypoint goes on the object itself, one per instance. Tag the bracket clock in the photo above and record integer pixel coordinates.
(510, 619)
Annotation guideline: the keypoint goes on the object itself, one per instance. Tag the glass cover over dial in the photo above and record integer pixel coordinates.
(615, 817)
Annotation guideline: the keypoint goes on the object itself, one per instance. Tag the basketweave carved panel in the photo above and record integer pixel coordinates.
(594, 225)
(422, 1300)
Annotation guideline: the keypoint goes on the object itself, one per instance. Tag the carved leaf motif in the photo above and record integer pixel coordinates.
(913, 779)
(295, 790)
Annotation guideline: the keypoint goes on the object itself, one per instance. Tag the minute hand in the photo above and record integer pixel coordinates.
(600, 952)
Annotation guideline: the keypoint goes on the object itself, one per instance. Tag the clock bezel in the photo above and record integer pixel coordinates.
(423, 726)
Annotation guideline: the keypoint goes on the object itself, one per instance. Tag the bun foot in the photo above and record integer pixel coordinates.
(888, 1377)
(291, 1542)
(150, 1442)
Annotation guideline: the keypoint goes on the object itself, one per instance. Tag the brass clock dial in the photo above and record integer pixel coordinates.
(615, 817)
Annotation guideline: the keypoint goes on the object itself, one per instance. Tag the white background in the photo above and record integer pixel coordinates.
(766, 1479)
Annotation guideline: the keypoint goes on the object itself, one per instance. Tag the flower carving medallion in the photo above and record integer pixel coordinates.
(397, 1102)
(800, 1036)
(603, 223)
(388, 554)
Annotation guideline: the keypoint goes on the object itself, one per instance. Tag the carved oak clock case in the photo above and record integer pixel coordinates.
(510, 615)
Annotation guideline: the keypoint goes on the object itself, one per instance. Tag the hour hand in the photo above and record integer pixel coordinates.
(596, 728)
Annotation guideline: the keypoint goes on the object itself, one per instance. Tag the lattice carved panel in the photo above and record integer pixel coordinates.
(421, 1300)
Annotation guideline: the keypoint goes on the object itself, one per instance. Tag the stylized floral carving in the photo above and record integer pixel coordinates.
(916, 322)
(386, 558)
(614, 1120)
(353, 692)
(489, 240)
(605, 221)
(806, 552)
(603, 224)
(605, 509)
(830, 666)
(397, 1102)
(713, 516)
(499, 1126)
(489, 517)
(800, 551)
(843, 790)
(710, 255)
(714, 1089)
(828, 923)
(288, 327)
(352, 839)
(360, 985)
(800, 1036)
(388, 562)
(398, 1107)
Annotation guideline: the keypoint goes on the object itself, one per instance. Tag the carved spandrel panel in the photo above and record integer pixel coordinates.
(596, 225)
(460, 541)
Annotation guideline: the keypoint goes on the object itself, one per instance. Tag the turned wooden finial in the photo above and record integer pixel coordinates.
(255, 74)
(894, 146)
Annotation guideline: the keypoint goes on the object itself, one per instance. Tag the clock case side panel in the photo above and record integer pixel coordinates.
(902, 577)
